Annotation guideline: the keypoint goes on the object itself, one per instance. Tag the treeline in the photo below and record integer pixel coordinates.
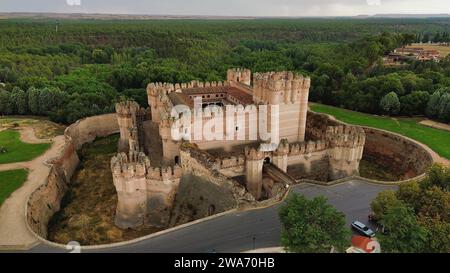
(437, 37)
(85, 67)
(50, 101)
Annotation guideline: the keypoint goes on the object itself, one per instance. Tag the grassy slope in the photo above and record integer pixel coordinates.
(10, 181)
(17, 150)
(438, 140)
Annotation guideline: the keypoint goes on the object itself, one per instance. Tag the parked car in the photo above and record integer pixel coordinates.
(362, 229)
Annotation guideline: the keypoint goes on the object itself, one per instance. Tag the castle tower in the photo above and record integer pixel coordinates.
(303, 92)
(241, 75)
(129, 116)
(145, 194)
(253, 171)
(280, 155)
(171, 148)
(345, 150)
(290, 91)
(129, 173)
(162, 186)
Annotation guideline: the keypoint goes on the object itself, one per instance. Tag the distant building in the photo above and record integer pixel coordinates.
(413, 53)
(429, 55)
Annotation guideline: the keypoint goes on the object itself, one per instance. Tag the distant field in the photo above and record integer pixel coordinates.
(18, 151)
(437, 140)
(443, 50)
(10, 181)
(43, 129)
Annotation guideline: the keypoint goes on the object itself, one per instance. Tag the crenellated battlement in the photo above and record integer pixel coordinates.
(130, 117)
(129, 108)
(283, 148)
(232, 161)
(240, 75)
(280, 87)
(139, 185)
(130, 166)
(346, 146)
(164, 173)
(156, 88)
(137, 165)
(345, 136)
(252, 153)
(307, 147)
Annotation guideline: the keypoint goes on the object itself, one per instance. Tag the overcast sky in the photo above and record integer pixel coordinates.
(230, 7)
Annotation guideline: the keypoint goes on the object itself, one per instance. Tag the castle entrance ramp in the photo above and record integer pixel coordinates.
(277, 174)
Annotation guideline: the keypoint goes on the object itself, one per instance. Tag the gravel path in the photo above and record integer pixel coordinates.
(14, 233)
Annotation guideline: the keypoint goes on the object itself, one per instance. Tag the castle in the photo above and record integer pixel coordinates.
(248, 163)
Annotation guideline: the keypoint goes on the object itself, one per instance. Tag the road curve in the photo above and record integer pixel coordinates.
(243, 231)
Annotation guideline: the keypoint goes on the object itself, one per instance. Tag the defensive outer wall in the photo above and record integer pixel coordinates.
(45, 201)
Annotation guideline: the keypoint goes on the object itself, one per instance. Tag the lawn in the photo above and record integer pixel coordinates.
(10, 181)
(437, 140)
(43, 129)
(17, 150)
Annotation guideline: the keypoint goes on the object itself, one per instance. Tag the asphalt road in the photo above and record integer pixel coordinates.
(246, 230)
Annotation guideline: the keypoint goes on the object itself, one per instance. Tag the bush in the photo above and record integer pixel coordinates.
(390, 104)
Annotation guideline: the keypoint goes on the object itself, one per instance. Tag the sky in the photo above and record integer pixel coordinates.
(231, 7)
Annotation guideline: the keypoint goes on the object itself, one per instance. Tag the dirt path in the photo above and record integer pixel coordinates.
(435, 124)
(27, 135)
(14, 233)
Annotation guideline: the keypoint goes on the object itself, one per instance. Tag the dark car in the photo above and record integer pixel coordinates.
(363, 229)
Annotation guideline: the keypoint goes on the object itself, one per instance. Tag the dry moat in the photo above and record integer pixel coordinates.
(88, 209)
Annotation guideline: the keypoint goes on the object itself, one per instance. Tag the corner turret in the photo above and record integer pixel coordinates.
(345, 150)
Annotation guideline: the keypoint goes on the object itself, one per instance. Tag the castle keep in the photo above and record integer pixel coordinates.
(251, 166)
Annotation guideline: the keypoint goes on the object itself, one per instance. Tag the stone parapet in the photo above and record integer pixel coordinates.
(280, 87)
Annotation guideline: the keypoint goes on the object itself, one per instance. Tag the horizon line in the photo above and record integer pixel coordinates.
(410, 15)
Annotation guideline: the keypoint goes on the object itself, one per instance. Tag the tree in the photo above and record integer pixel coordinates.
(99, 56)
(444, 107)
(410, 193)
(382, 202)
(414, 103)
(20, 100)
(419, 220)
(405, 233)
(435, 204)
(312, 225)
(433, 104)
(390, 104)
(33, 100)
(6, 105)
(438, 234)
(437, 175)
(391, 83)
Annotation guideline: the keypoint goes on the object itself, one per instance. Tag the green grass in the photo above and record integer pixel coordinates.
(18, 151)
(11, 181)
(437, 140)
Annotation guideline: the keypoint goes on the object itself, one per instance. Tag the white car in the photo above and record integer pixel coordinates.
(363, 229)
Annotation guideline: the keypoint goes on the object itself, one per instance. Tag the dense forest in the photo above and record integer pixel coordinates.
(69, 69)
